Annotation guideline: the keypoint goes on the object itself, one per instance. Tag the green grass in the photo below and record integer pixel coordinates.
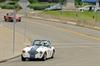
(87, 16)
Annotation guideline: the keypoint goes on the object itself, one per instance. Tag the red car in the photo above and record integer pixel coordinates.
(9, 18)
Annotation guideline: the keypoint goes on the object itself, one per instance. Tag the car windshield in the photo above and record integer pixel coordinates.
(37, 43)
(40, 43)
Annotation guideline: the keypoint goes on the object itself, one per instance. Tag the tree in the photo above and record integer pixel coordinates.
(31, 1)
(2, 0)
(78, 2)
(62, 1)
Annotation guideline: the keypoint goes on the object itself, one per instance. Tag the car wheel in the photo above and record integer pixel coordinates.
(11, 20)
(22, 58)
(19, 20)
(5, 20)
(44, 57)
(53, 54)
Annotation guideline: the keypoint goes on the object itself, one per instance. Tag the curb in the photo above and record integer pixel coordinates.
(5, 60)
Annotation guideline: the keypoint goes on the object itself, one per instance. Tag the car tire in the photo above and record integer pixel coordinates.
(11, 20)
(19, 20)
(5, 20)
(53, 54)
(44, 57)
(22, 58)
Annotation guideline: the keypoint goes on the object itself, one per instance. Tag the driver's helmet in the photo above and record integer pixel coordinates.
(45, 43)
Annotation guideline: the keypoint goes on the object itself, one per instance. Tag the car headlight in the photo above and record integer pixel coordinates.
(23, 51)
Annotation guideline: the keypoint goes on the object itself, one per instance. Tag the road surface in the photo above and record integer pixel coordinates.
(75, 46)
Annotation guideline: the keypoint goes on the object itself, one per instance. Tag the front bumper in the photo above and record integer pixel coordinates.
(32, 56)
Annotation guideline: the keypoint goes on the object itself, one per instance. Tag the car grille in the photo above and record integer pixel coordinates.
(32, 53)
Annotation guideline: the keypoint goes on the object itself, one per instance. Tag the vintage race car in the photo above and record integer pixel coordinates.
(40, 49)
(9, 18)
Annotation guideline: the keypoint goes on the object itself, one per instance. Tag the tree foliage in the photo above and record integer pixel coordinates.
(2, 0)
(31, 1)
(78, 2)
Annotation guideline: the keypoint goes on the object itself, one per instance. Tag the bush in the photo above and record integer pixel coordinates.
(6, 6)
(31, 1)
(40, 6)
(10, 5)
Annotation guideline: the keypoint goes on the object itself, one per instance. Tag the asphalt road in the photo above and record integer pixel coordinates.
(75, 46)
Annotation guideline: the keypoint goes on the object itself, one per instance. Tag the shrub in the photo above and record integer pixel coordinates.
(40, 6)
(7, 6)
(10, 5)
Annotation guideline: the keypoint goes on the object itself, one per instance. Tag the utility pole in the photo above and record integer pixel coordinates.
(96, 12)
(14, 24)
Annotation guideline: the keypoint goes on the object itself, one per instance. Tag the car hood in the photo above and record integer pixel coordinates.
(34, 48)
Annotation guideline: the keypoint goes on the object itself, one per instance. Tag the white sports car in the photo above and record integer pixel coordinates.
(40, 49)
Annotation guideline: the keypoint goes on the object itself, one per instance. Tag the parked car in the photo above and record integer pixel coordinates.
(87, 8)
(9, 18)
(40, 49)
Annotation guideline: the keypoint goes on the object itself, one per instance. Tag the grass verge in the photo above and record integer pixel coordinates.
(86, 15)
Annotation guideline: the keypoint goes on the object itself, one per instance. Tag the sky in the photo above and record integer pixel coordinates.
(88, 0)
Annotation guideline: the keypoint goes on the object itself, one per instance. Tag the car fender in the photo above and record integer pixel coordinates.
(43, 50)
(26, 49)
